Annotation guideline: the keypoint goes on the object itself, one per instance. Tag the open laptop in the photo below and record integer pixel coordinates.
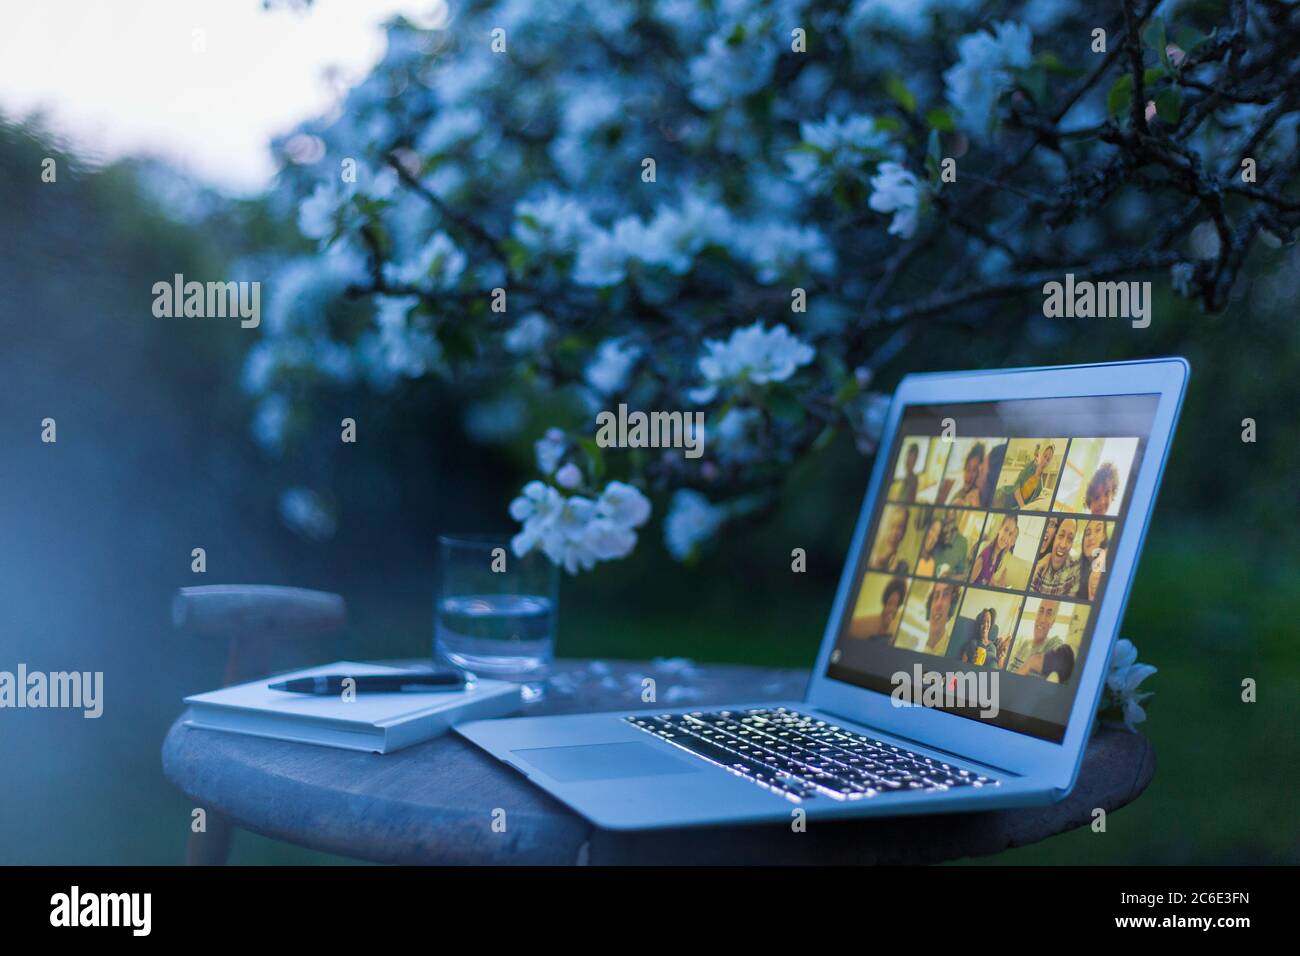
(969, 639)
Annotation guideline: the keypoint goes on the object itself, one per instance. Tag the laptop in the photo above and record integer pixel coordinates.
(969, 639)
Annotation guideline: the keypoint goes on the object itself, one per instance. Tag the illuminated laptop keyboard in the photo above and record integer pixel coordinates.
(799, 757)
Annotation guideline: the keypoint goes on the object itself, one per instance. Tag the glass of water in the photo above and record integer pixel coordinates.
(494, 613)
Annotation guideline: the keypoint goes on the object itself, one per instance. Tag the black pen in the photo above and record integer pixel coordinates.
(411, 681)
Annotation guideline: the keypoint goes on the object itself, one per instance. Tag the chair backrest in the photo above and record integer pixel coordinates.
(252, 617)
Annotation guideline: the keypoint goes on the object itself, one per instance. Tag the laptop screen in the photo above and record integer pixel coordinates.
(987, 554)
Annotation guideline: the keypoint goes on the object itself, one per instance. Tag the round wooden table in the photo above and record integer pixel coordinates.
(434, 803)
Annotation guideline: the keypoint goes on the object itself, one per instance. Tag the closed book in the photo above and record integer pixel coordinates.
(380, 723)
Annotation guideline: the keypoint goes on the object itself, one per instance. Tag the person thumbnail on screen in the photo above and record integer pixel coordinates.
(1094, 546)
(963, 479)
(898, 537)
(982, 633)
(1008, 550)
(966, 480)
(1047, 641)
(1048, 537)
(954, 548)
(1029, 474)
(932, 535)
(928, 617)
(918, 470)
(1057, 572)
(879, 608)
(1096, 475)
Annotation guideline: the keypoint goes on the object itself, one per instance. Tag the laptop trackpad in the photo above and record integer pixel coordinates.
(603, 761)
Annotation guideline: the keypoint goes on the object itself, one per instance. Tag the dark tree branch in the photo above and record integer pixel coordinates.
(1133, 45)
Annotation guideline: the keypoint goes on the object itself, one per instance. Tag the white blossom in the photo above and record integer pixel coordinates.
(450, 128)
(270, 420)
(591, 111)
(692, 520)
(305, 287)
(328, 208)
(752, 354)
(399, 349)
(537, 500)
(737, 436)
(604, 254)
(549, 449)
(440, 261)
(897, 190)
(623, 504)
(607, 372)
(676, 235)
(606, 540)
(779, 250)
(552, 224)
(908, 17)
(528, 335)
(836, 148)
(731, 67)
(870, 414)
(577, 532)
(318, 213)
(569, 477)
(1122, 682)
(983, 73)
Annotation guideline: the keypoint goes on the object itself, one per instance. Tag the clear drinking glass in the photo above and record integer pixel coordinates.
(494, 613)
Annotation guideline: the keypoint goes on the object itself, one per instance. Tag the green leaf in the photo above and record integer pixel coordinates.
(595, 454)
(941, 120)
(517, 255)
(1034, 82)
(1189, 39)
(381, 238)
(1169, 105)
(457, 342)
(784, 404)
(1121, 92)
(900, 94)
(933, 151)
(1052, 63)
(835, 368)
(1154, 37)
(825, 438)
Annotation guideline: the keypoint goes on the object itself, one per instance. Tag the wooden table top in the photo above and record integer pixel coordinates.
(433, 803)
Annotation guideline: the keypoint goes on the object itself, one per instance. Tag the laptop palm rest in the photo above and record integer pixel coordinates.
(603, 762)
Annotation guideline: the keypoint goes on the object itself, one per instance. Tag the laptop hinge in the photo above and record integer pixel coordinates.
(923, 743)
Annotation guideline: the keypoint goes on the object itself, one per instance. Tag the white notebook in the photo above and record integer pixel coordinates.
(380, 723)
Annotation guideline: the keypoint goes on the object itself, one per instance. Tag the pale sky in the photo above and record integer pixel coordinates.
(118, 77)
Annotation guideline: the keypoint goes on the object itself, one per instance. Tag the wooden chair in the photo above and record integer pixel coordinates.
(250, 617)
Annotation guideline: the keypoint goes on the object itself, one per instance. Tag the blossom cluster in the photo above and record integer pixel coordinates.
(555, 207)
(576, 531)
